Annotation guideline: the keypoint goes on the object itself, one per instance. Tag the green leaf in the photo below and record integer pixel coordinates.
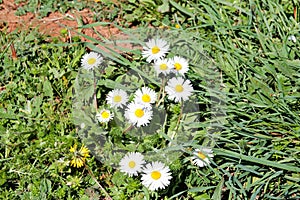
(45, 186)
(218, 191)
(182, 9)
(47, 89)
(224, 152)
(164, 7)
(200, 189)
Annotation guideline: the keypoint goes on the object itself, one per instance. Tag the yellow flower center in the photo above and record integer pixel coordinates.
(117, 98)
(105, 114)
(155, 49)
(139, 113)
(91, 61)
(201, 155)
(155, 175)
(146, 98)
(177, 66)
(131, 164)
(163, 66)
(178, 88)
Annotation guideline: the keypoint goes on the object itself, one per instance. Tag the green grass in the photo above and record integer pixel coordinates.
(252, 123)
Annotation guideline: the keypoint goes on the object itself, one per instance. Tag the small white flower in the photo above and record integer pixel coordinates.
(292, 38)
(155, 49)
(156, 176)
(179, 89)
(138, 114)
(163, 66)
(91, 60)
(180, 65)
(202, 156)
(117, 98)
(82, 125)
(132, 163)
(105, 115)
(145, 96)
(63, 161)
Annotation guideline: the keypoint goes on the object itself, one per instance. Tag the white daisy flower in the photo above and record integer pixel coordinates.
(180, 65)
(179, 89)
(104, 115)
(138, 114)
(145, 96)
(117, 98)
(91, 60)
(132, 163)
(155, 49)
(202, 156)
(156, 176)
(163, 66)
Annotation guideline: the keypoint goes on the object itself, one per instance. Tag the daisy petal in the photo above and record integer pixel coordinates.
(156, 176)
(145, 96)
(179, 89)
(201, 158)
(117, 98)
(138, 114)
(91, 60)
(155, 49)
(104, 115)
(163, 66)
(132, 163)
(180, 65)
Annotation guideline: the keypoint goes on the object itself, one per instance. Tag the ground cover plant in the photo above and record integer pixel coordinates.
(243, 66)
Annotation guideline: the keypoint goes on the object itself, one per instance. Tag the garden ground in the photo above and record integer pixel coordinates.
(52, 24)
(255, 73)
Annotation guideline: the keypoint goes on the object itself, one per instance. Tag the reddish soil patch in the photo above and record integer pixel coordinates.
(50, 25)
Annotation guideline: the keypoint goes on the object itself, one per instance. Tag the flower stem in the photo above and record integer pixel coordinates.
(95, 93)
(99, 185)
(180, 115)
(128, 129)
(161, 93)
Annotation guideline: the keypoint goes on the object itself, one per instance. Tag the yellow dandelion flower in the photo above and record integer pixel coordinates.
(79, 156)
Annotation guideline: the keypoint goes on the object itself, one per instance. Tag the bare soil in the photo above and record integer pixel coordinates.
(50, 25)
